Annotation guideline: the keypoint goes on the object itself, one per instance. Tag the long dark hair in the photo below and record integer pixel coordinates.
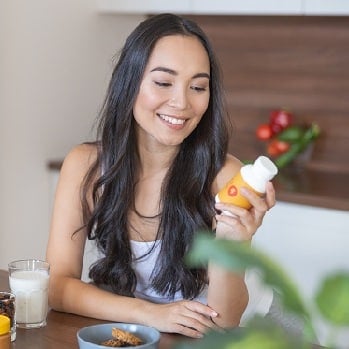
(186, 196)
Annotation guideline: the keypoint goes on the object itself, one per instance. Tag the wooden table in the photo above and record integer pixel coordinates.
(60, 331)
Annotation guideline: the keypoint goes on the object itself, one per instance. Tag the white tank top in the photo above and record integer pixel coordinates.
(143, 268)
(260, 296)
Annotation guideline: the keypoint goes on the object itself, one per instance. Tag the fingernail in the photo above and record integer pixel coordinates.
(243, 190)
(214, 314)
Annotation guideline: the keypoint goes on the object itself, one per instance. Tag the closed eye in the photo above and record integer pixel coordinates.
(162, 84)
(198, 89)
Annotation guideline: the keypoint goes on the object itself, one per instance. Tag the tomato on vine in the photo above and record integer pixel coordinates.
(264, 132)
(279, 120)
(276, 147)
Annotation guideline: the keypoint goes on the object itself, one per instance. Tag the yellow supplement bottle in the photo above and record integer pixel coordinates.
(5, 336)
(253, 176)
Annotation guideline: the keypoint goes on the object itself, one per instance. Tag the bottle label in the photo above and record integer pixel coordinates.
(230, 194)
(232, 190)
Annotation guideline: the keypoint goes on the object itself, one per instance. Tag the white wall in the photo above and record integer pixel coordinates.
(309, 243)
(55, 63)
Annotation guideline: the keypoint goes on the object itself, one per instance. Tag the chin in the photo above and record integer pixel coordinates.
(171, 142)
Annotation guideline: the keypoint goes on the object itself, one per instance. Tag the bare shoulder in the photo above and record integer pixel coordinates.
(81, 155)
(79, 159)
(231, 166)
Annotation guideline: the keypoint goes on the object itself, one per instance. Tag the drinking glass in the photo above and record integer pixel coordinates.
(29, 280)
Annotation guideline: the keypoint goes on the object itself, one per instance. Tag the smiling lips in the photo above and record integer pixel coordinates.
(171, 120)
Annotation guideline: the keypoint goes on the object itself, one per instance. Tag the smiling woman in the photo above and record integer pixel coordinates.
(145, 188)
(173, 98)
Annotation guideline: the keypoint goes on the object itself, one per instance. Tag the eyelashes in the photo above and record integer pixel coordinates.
(162, 84)
(168, 84)
(198, 89)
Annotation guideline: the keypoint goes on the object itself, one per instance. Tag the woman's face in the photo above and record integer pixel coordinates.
(174, 91)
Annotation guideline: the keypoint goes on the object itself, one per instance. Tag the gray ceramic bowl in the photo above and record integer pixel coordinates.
(90, 337)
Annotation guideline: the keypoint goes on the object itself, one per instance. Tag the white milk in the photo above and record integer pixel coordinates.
(31, 290)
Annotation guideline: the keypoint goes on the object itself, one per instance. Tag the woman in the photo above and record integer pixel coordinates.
(148, 185)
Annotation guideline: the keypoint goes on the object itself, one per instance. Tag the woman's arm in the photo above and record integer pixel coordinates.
(227, 292)
(65, 254)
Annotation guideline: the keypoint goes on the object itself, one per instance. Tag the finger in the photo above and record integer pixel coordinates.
(259, 203)
(198, 323)
(235, 217)
(188, 331)
(229, 209)
(232, 221)
(270, 195)
(200, 308)
(202, 313)
(236, 231)
(194, 324)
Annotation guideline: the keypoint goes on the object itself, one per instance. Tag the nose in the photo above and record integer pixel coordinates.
(179, 98)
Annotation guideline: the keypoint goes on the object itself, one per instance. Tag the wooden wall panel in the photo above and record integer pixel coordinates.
(300, 63)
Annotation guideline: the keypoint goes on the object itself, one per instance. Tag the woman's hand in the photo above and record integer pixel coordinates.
(242, 224)
(189, 318)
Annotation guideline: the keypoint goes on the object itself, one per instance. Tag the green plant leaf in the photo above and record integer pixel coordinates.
(308, 136)
(237, 256)
(291, 134)
(263, 335)
(332, 299)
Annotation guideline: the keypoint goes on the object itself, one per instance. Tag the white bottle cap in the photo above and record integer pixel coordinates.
(259, 173)
(264, 168)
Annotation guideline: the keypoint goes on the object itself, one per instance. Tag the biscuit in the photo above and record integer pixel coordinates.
(126, 337)
(115, 343)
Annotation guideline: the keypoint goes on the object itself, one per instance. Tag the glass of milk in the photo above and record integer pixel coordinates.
(29, 283)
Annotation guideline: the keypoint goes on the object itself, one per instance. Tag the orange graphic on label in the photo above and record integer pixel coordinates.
(230, 194)
(232, 190)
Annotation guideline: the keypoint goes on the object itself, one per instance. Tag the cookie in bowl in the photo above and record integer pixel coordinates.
(118, 335)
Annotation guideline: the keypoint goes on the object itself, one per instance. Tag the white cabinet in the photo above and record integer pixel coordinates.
(247, 7)
(326, 7)
(227, 7)
(218, 7)
(309, 243)
(141, 6)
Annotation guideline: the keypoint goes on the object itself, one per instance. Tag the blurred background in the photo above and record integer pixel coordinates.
(55, 63)
(56, 58)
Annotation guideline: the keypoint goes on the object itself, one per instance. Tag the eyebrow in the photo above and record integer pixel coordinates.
(173, 72)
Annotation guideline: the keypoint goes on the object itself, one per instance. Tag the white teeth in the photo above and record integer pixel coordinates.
(172, 120)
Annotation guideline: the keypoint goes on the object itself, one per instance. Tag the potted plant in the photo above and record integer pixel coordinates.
(285, 141)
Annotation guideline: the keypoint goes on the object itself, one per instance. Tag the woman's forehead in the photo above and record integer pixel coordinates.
(180, 53)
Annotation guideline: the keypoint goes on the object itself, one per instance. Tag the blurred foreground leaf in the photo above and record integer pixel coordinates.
(238, 256)
(262, 335)
(332, 298)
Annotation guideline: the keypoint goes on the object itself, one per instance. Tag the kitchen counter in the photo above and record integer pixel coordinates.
(301, 186)
(314, 188)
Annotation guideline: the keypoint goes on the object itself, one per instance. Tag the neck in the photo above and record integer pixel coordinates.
(155, 157)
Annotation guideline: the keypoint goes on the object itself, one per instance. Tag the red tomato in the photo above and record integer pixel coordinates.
(277, 147)
(279, 120)
(264, 132)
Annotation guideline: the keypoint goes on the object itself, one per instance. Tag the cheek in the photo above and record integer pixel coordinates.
(202, 105)
(146, 101)
(142, 101)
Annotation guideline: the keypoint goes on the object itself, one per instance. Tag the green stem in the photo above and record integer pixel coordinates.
(296, 148)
